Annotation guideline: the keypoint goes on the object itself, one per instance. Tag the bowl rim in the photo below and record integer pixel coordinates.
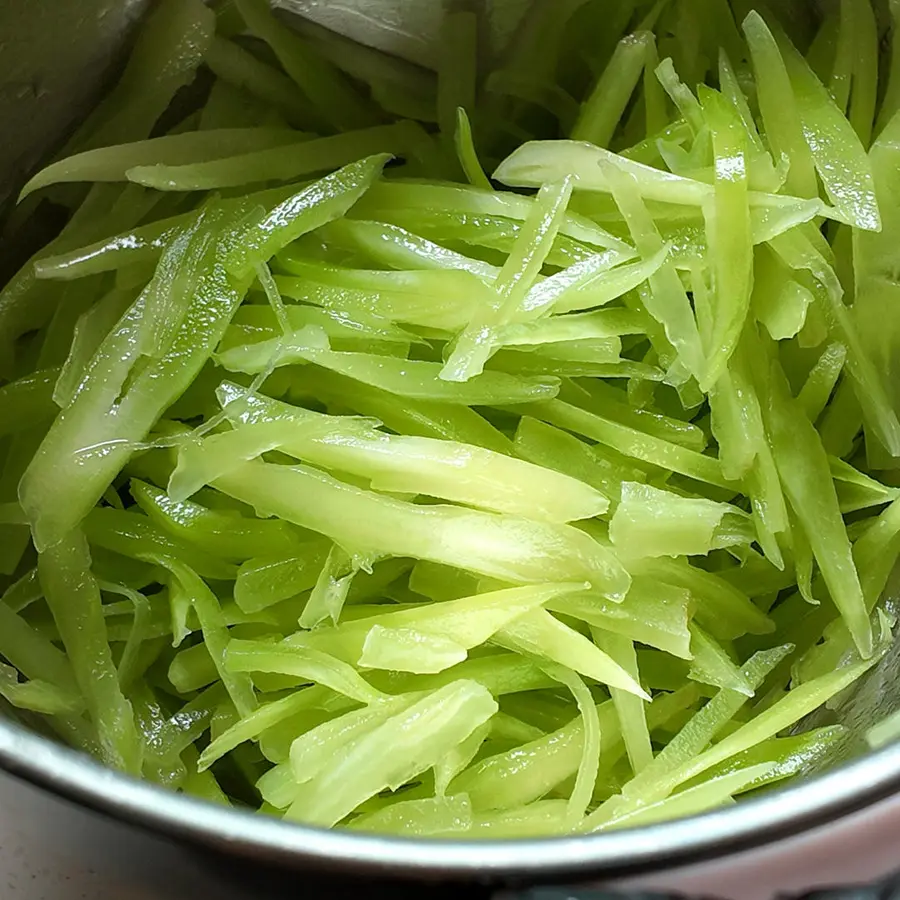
(788, 811)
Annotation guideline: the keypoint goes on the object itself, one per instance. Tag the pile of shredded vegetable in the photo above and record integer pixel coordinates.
(342, 481)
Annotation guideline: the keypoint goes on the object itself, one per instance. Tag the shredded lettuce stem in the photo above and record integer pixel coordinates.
(499, 451)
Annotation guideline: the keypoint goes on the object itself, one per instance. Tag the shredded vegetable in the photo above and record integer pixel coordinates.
(491, 454)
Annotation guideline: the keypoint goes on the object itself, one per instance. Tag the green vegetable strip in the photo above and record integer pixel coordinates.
(540, 162)
(219, 534)
(468, 621)
(266, 280)
(418, 417)
(442, 300)
(657, 780)
(666, 300)
(23, 592)
(597, 325)
(135, 537)
(113, 163)
(721, 608)
(31, 653)
(820, 383)
(738, 393)
(334, 98)
(201, 462)
(874, 285)
(857, 491)
(467, 153)
(311, 753)
(793, 706)
(631, 712)
(37, 696)
(253, 725)
(843, 51)
(652, 522)
(137, 245)
(25, 303)
(590, 283)
(590, 754)
(400, 87)
(841, 423)
(473, 347)
(527, 773)
(503, 673)
(240, 68)
(653, 613)
(839, 155)
(460, 757)
(74, 599)
(541, 634)
(788, 755)
(215, 634)
(85, 436)
(681, 96)
(731, 244)
(330, 590)
(435, 817)
(254, 322)
(167, 295)
(265, 581)
(140, 245)
(655, 105)
(601, 112)
(443, 469)
(631, 442)
(417, 379)
(875, 553)
(716, 791)
(401, 747)
(806, 476)
(228, 106)
(480, 232)
(408, 650)
(731, 88)
(129, 666)
(611, 403)
(869, 385)
(281, 163)
(890, 103)
(388, 196)
(305, 663)
(397, 248)
(205, 786)
(520, 776)
(92, 327)
(736, 421)
(864, 94)
(780, 108)
(512, 549)
(544, 445)
(712, 665)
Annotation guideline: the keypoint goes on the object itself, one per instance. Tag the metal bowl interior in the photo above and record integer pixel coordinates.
(51, 70)
(806, 804)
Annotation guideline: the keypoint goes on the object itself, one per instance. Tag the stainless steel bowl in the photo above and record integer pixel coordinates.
(54, 57)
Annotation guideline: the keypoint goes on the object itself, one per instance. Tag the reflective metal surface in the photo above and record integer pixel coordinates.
(806, 804)
(54, 58)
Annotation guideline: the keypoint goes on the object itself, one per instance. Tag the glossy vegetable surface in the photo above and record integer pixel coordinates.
(345, 482)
